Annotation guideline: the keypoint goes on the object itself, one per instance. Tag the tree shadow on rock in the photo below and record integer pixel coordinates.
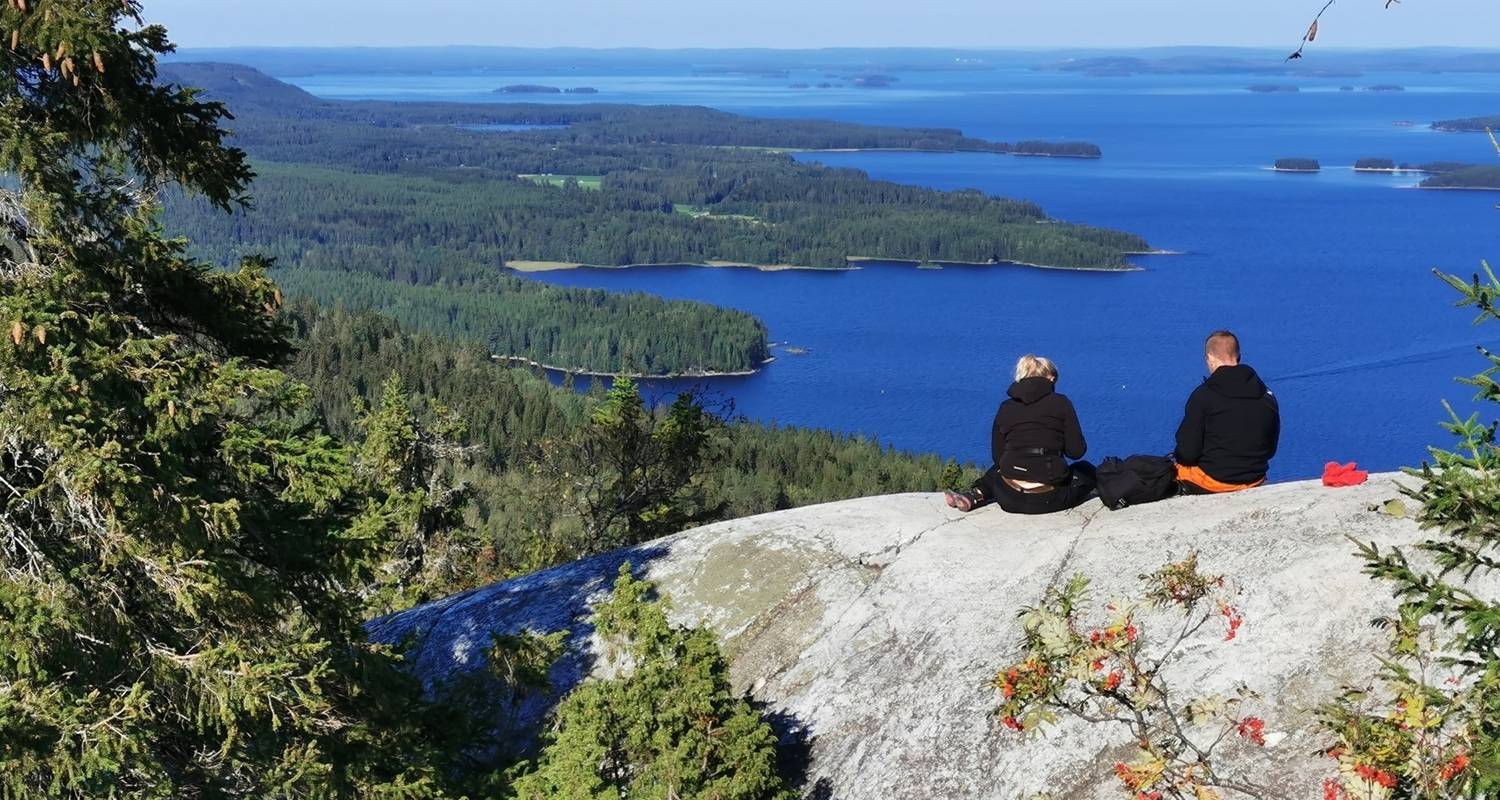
(794, 752)
(446, 642)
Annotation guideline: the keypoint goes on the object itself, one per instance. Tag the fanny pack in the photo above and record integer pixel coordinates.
(1018, 477)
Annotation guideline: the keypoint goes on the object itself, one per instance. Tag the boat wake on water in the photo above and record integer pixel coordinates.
(1383, 362)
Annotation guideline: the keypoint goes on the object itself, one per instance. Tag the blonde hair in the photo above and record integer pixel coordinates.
(1031, 366)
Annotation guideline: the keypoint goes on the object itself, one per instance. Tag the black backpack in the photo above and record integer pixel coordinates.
(1136, 480)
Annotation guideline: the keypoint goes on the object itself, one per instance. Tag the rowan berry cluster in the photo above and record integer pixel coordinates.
(1110, 671)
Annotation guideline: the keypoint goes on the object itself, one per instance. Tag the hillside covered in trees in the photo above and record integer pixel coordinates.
(188, 555)
(507, 413)
(404, 207)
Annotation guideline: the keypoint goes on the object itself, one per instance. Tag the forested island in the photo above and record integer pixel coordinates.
(1468, 124)
(1296, 165)
(528, 88)
(1059, 149)
(1436, 167)
(1238, 61)
(1125, 66)
(1385, 87)
(1272, 88)
(533, 88)
(390, 206)
(1440, 174)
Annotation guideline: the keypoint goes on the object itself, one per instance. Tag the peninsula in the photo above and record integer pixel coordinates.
(1468, 124)
(1480, 177)
(443, 207)
(1057, 149)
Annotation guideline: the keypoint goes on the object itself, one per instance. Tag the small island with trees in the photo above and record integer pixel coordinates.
(1440, 174)
(533, 88)
(1385, 87)
(1296, 165)
(1272, 88)
(1056, 149)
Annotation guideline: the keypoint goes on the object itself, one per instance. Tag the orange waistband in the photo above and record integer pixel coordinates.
(1197, 477)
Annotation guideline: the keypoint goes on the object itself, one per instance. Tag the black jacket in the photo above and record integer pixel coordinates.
(1034, 428)
(1230, 427)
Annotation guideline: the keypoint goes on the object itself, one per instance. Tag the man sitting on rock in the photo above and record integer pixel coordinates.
(1231, 425)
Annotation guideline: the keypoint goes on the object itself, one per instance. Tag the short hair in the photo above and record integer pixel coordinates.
(1030, 366)
(1223, 345)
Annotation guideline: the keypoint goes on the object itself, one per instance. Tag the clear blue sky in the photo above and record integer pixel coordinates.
(822, 23)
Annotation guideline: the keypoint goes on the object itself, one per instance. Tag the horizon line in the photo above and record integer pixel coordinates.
(1339, 49)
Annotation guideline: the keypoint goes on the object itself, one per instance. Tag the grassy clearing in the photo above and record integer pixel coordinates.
(699, 213)
(540, 266)
(590, 182)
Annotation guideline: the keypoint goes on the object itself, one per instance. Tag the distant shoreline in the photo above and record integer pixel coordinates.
(1003, 263)
(949, 151)
(775, 149)
(553, 266)
(523, 361)
(851, 263)
(1054, 155)
(1458, 188)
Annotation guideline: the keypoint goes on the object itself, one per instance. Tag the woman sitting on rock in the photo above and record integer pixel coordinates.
(1035, 433)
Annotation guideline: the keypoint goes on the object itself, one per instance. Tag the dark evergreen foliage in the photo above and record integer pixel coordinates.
(667, 725)
(1297, 164)
(749, 207)
(1070, 149)
(1469, 124)
(180, 551)
(347, 357)
(1467, 177)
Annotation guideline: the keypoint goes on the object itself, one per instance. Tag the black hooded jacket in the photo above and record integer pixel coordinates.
(1231, 426)
(1034, 428)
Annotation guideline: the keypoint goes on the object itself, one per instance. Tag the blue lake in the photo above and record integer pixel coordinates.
(1327, 277)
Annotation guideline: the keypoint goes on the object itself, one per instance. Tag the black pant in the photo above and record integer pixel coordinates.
(1080, 486)
(1191, 489)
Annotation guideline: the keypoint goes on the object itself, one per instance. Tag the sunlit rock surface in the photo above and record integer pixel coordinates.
(869, 628)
